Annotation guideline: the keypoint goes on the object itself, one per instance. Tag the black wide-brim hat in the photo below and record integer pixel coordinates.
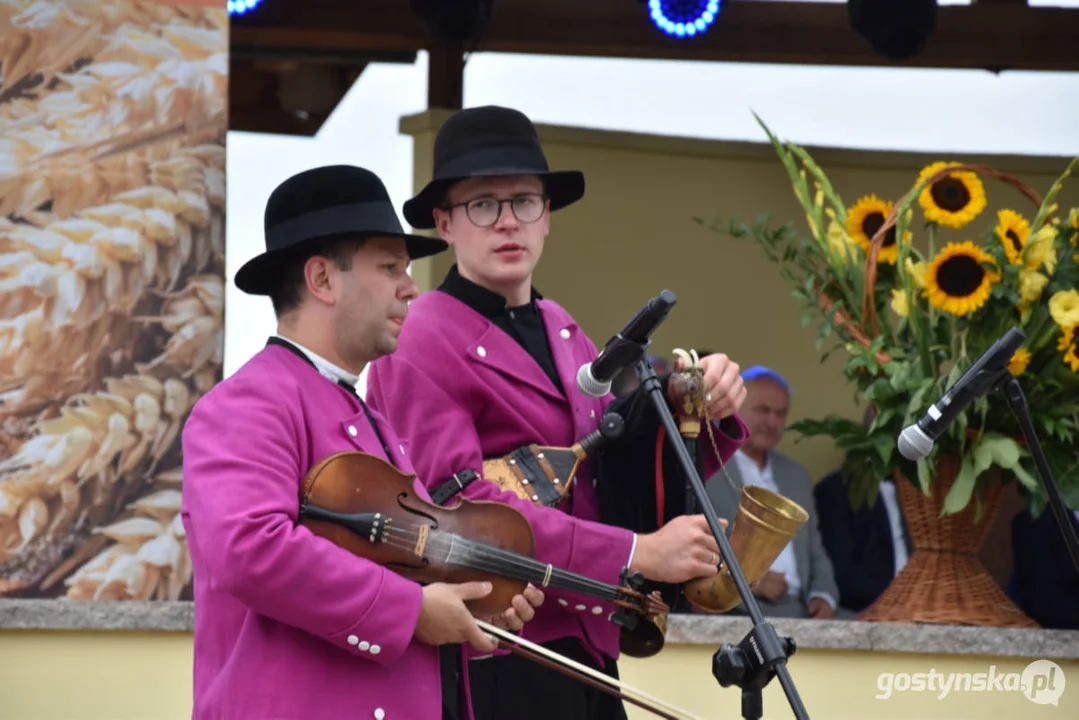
(489, 141)
(317, 203)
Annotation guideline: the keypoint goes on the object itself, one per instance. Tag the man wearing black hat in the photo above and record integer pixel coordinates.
(486, 365)
(287, 624)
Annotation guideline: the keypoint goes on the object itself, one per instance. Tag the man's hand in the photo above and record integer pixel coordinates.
(444, 619)
(771, 587)
(682, 550)
(820, 609)
(522, 611)
(724, 390)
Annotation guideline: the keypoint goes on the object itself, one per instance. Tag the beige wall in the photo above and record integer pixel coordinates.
(117, 675)
(634, 235)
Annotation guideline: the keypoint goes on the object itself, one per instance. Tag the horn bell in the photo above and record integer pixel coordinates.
(763, 525)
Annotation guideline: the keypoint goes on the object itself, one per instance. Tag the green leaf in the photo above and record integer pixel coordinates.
(924, 475)
(963, 487)
(884, 444)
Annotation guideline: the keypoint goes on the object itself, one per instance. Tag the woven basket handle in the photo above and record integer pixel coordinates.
(869, 310)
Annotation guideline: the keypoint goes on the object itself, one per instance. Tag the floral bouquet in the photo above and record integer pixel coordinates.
(913, 294)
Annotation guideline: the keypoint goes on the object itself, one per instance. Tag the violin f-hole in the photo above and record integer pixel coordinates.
(401, 497)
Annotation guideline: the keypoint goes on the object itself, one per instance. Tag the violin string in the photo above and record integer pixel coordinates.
(491, 559)
(483, 557)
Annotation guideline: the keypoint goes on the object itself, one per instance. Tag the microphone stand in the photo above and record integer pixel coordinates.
(761, 655)
(1017, 401)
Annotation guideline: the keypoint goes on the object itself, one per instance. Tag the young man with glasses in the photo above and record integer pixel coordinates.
(487, 365)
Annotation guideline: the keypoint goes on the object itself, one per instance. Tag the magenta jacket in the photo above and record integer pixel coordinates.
(461, 390)
(287, 625)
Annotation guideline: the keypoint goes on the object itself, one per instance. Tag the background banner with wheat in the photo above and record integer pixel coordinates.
(113, 116)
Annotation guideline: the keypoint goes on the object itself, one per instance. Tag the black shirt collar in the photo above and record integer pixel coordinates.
(486, 302)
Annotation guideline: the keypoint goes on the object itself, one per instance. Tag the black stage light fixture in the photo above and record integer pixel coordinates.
(454, 20)
(896, 29)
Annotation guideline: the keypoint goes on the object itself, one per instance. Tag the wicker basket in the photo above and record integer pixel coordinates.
(943, 580)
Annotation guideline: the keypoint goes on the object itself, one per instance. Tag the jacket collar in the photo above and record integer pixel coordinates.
(486, 302)
(327, 369)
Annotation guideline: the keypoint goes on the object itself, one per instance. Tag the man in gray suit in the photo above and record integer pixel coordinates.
(801, 582)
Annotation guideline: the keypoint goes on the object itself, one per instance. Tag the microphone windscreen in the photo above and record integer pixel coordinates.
(589, 385)
(914, 444)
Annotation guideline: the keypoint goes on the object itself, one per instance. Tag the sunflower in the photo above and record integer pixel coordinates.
(957, 281)
(1013, 231)
(955, 199)
(1019, 362)
(865, 218)
(1068, 345)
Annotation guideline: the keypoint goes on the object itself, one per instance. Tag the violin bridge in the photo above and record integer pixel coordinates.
(421, 540)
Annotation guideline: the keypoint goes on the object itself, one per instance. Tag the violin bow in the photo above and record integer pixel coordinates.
(543, 656)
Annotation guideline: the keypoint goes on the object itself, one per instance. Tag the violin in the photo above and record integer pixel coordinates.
(367, 506)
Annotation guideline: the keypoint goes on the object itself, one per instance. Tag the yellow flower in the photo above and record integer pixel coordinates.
(1012, 230)
(955, 199)
(917, 271)
(865, 218)
(957, 281)
(1064, 308)
(1067, 344)
(1075, 235)
(838, 243)
(1031, 284)
(900, 303)
(1040, 250)
(1019, 362)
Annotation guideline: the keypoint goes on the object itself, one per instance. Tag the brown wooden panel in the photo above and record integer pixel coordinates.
(285, 97)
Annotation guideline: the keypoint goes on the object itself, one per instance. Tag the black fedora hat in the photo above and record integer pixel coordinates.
(489, 141)
(324, 201)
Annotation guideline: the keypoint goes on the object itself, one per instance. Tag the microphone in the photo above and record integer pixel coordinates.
(625, 348)
(916, 441)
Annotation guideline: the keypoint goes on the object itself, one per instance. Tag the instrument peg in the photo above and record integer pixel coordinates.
(611, 426)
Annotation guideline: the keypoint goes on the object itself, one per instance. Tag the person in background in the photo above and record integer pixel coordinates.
(1046, 581)
(868, 546)
(801, 582)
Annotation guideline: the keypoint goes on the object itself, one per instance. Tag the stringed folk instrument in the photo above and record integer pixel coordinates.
(545, 475)
(367, 506)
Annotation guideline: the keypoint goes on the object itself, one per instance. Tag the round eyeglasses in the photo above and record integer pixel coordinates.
(485, 212)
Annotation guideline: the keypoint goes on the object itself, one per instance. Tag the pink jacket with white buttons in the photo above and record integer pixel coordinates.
(287, 625)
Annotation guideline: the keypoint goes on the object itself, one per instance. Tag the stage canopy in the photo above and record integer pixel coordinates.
(293, 60)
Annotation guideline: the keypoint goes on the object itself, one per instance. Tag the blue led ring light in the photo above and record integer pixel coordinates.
(240, 7)
(684, 23)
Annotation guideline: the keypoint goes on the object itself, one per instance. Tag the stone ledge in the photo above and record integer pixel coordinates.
(681, 630)
(883, 637)
(82, 615)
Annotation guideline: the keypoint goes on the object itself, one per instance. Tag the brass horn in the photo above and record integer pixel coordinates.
(763, 525)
